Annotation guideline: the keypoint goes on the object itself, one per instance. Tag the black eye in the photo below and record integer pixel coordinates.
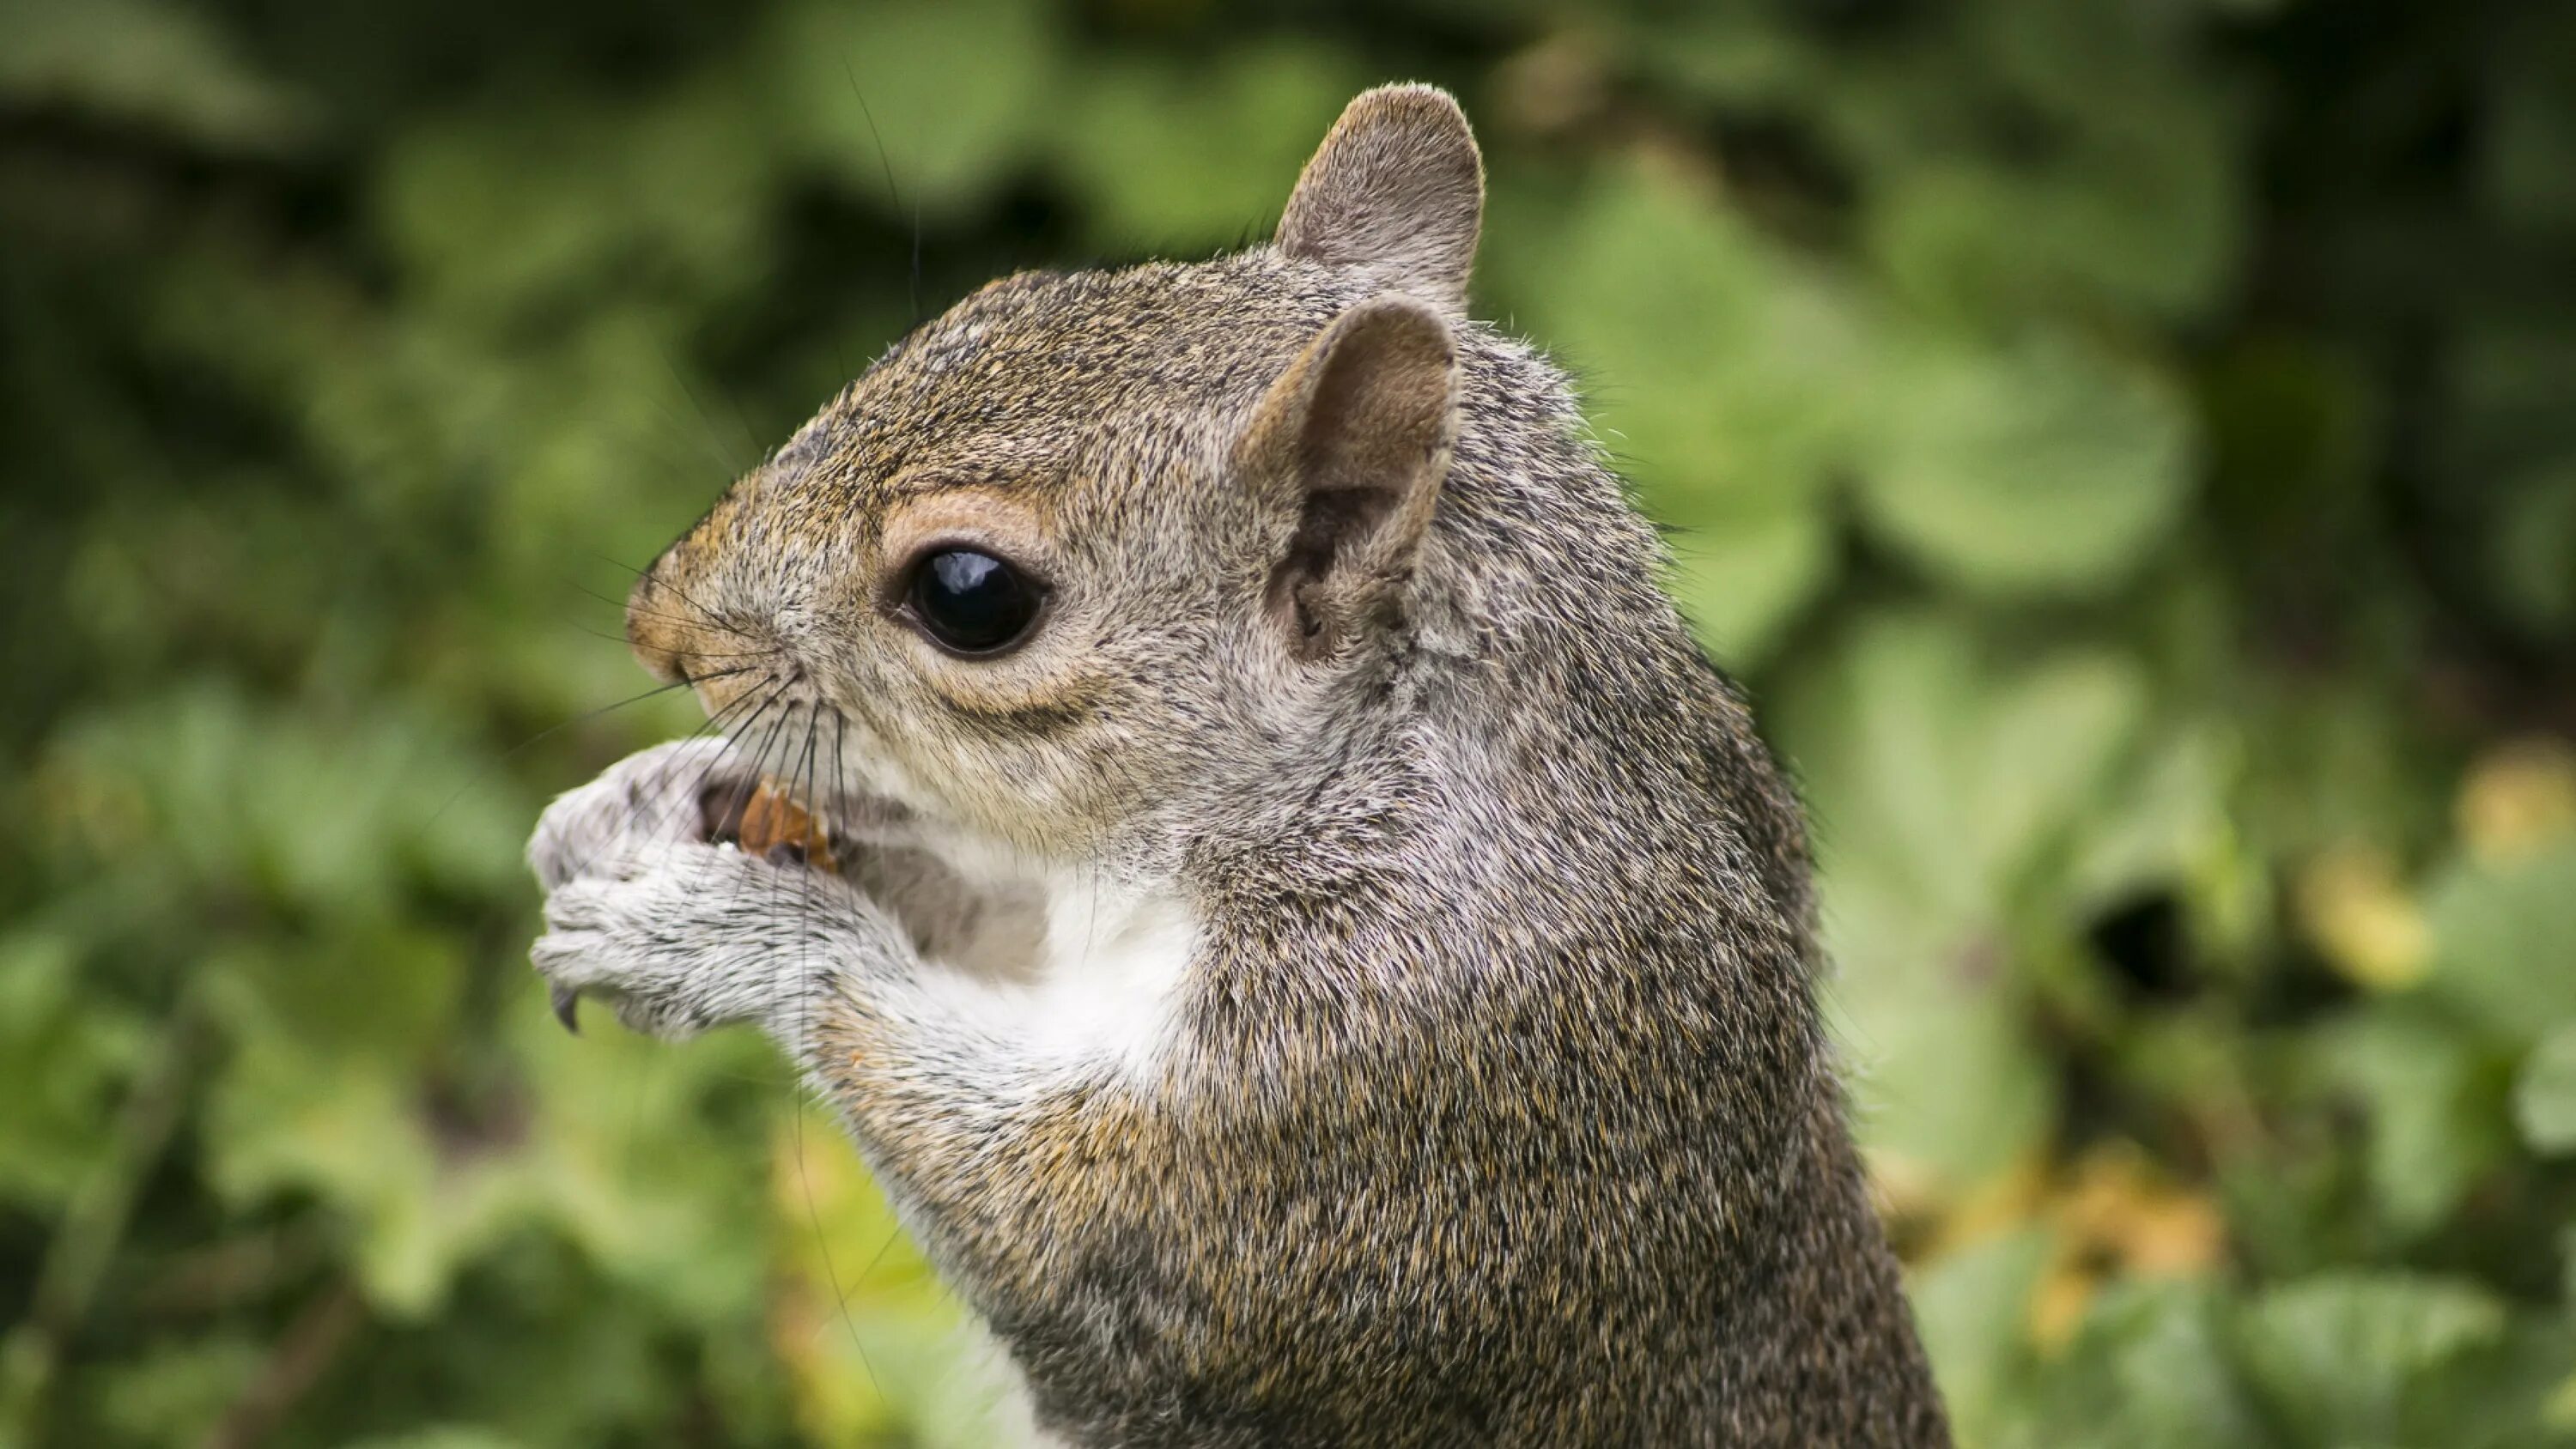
(971, 601)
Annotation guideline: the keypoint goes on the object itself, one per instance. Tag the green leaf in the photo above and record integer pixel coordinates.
(395, 1011)
(2533, 548)
(2544, 1099)
(1178, 160)
(2532, 131)
(957, 93)
(2504, 941)
(177, 1391)
(1973, 1308)
(282, 1118)
(2167, 822)
(1723, 366)
(1741, 583)
(2343, 1357)
(2149, 1369)
(139, 61)
(2046, 467)
(1741, 57)
(447, 1437)
(507, 214)
(2432, 1106)
(266, 804)
(647, 1156)
(2146, 225)
(1727, 376)
(1945, 1079)
(1947, 772)
(613, 1150)
(63, 1054)
(1945, 791)
(2516, 1393)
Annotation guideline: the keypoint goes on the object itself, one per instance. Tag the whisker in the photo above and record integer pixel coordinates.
(600, 633)
(630, 609)
(708, 618)
(762, 772)
(685, 596)
(769, 652)
(722, 723)
(840, 754)
(709, 433)
(657, 818)
(705, 615)
(550, 731)
(804, 1027)
(620, 639)
(893, 194)
(760, 759)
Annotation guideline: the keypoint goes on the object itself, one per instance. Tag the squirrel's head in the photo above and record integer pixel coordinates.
(1092, 543)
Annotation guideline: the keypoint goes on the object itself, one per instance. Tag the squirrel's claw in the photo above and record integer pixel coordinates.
(567, 1004)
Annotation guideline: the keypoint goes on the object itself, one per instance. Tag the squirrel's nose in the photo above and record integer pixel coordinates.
(680, 639)
(661, 644)
(672, 634)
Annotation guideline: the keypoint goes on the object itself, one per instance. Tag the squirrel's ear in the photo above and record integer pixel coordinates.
(1396, 188)
(1352, 443)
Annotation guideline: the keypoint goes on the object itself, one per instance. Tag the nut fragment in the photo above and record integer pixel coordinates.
(776, 826)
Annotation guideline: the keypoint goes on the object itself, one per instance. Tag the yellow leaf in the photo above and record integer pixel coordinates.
(2123, 1213)
(2517, 799)
(2361, 918)
(854, 1313)
(2060, 1300)
(2116, 1217)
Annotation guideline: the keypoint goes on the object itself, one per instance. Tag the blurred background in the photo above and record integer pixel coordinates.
(2128, 449)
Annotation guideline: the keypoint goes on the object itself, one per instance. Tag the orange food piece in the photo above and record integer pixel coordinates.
(774, 818)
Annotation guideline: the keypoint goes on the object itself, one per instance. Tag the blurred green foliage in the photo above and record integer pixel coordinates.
(2128, 448)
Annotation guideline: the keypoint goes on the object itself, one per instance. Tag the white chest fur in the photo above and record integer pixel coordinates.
(1099, 965)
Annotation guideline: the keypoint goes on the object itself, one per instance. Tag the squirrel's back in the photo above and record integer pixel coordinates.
(1567, 1152)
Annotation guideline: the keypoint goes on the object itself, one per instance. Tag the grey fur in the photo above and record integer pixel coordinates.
(1494, 1108)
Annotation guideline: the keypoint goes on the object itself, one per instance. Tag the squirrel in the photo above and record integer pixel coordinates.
(1322, 958)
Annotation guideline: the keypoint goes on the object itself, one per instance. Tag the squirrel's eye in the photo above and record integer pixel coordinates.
(971, 601)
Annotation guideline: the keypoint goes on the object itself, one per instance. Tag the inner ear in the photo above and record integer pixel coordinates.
(1351, 445)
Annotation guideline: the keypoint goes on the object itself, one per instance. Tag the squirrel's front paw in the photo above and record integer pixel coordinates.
(679, 937)
(651, 799)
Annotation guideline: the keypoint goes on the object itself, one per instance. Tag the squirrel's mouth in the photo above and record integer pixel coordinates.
(773, 819)
(766, 818)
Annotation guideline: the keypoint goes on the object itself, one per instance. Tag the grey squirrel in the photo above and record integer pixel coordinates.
(1323, 959)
